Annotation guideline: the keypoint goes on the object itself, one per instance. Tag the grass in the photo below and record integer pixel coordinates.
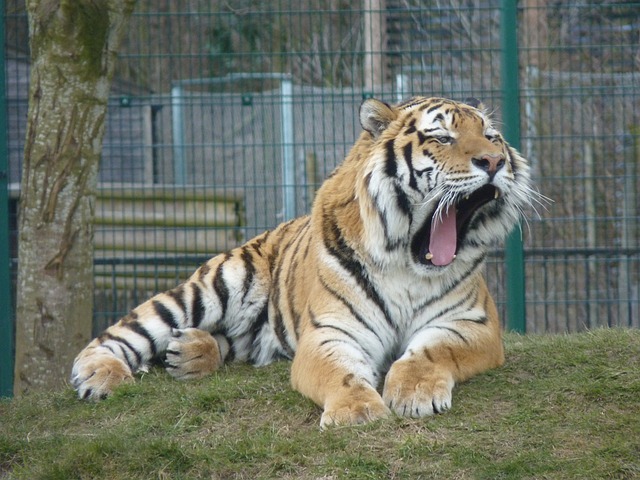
(563, 407)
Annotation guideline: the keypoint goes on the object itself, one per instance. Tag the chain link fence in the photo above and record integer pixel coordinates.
(226, 116)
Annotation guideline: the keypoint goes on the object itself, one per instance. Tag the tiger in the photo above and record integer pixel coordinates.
(377, 297)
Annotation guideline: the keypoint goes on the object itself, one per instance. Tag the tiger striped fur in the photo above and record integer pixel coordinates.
(377, 296)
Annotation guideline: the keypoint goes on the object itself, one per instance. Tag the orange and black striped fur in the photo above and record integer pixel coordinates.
(377, 296)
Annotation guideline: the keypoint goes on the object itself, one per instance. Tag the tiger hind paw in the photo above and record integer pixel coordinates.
(194, 353)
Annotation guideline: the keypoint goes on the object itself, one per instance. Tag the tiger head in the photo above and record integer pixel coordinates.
(442, 179)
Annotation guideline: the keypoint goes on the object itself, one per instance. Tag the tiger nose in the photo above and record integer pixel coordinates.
(490, 163)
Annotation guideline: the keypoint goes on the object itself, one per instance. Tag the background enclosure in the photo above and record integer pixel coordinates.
(226, 116)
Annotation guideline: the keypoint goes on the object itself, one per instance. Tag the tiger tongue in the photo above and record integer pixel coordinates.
(442, 244)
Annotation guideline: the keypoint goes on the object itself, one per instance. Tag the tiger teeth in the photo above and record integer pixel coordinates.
(429, 256)
(497, 194)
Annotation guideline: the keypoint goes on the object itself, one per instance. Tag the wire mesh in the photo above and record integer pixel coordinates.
(580, 90)
(197, 138)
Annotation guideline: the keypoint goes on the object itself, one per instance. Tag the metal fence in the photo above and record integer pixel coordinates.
(226, 116)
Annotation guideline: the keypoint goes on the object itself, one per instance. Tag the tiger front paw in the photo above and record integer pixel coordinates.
(417, 396)
(363, 407)
(96, 374)
(356, 414)
(194, 353)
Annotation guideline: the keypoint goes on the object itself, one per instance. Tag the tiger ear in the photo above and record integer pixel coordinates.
(475, 103)
(375, 116)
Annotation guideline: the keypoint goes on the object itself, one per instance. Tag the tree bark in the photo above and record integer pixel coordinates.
(536, 33)
(73, 52)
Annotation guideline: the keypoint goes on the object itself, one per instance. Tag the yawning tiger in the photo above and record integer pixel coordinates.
(377, 296)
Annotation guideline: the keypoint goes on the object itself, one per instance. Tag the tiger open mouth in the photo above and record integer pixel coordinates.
(438, 240)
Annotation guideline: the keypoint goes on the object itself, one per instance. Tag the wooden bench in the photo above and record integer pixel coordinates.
(150, 238)
(143, 231)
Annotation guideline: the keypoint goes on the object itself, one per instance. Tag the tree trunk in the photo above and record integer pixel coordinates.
(73, 51)
(374, 44)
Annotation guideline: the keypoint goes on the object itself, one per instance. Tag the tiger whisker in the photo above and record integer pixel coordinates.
(524, 218)
(532, 197)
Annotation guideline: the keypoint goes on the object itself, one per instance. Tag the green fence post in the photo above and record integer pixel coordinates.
(6, 310)
(516, 313)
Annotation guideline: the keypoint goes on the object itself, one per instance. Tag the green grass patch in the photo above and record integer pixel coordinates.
(563, 407)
